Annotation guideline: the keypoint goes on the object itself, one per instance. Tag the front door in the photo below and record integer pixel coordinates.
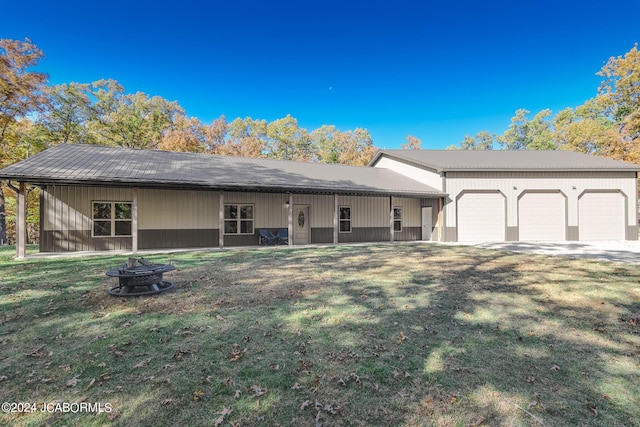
(301, 225)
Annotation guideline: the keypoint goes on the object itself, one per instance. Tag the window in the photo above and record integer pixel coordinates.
(397, 218)
(111, 219)
(238, 219)
(345, 219)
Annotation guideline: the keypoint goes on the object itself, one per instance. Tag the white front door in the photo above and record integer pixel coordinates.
(427, 220)
(301, 225)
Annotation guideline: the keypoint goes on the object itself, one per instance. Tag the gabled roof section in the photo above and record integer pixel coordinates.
(80, 164)
(506, 160)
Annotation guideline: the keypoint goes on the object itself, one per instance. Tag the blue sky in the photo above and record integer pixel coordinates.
(435, 69)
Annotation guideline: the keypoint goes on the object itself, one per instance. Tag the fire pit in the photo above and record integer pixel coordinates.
(140, 277)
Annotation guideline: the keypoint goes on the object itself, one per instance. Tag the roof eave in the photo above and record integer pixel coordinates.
(42, 181)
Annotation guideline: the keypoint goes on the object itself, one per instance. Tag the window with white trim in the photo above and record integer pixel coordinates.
(397, 218)
(111, 219)
(238, 219)
(345, 219)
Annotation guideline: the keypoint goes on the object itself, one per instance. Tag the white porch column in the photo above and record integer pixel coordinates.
(134, 220)
(21, 221)
(391, 239)
(336, 219)
(290, 219)
(221, 220)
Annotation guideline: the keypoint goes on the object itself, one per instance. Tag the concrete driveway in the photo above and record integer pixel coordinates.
(625, 251)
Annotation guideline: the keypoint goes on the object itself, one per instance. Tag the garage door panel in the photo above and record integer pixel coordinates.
(481, 217)
(542, 216)
(601, 216)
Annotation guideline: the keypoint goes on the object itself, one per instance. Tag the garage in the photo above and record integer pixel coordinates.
(542, 216)
(601, 216)
(481, 217)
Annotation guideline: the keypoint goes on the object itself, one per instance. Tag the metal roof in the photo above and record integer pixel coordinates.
(80, 164)
(506, 160)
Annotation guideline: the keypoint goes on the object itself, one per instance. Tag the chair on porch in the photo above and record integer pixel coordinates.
(283, 236)
(267, 237)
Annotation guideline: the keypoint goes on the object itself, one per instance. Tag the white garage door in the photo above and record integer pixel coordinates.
(542, 216)
(481, 217)
(601, 216)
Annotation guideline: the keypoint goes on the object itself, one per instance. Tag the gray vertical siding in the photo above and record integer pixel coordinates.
(189, 219)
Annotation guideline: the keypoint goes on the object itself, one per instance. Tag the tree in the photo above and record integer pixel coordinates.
(246, 137)
(21, 93)
(349, 148)
(69, 110)
(621, 84)
(186, 134)
(481, 141)
(413, 143)
(525, 134)
(619, 92)
(585, 129)
(355, 147)
(216, 133)
(130, 120)
(325, 140)
(288, 141)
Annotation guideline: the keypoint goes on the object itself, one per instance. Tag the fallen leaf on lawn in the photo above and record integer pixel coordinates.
(305, 405)
(401, 338)
(2, 378)
(555, 368)
(102, 365)
(257, 390)
(142, 363)
(220, 318)
(478, 422)
(236, 353)
(594, 410)
(73, 381)
(197, 395)
(238, 393)
(296, 386)
(453, 399)
(225, 411)
(218, 421)
(91, 383)
(167, 402)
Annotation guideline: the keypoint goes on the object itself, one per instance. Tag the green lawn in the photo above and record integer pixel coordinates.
(388, 335)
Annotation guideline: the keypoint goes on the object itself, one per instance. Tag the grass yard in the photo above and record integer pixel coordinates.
(402, 335)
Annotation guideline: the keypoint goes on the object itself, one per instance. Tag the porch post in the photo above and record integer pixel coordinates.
(290, 219)
(391, 239)
(336, 219)
(134, 220)
(221, 219)
(440, 219)
(21, 221)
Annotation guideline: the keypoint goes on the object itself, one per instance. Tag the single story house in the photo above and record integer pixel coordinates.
(106, 198)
